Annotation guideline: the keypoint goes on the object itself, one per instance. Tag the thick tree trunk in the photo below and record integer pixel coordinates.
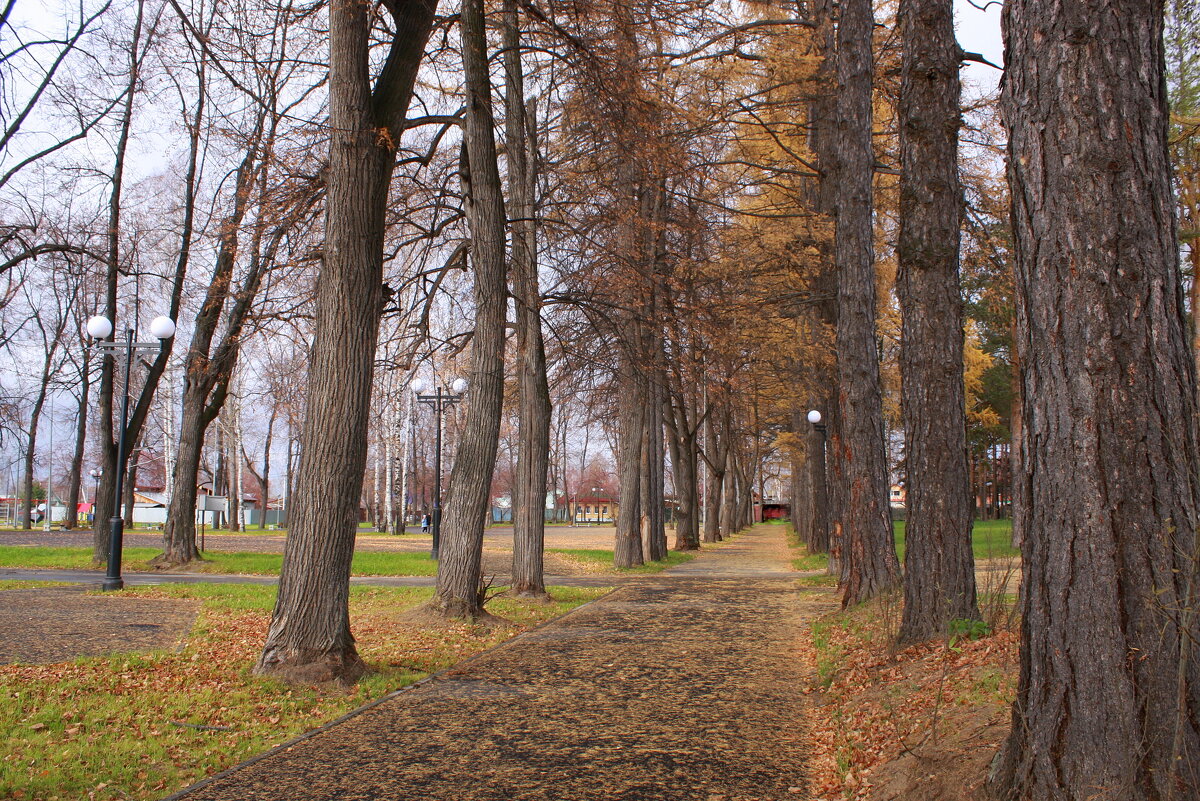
(179, 534)
(939, 568)
(628, 548)
(870, 552)
(533, 449)
(1108, 699)
(309, 639)
(684, 462)
(459, 576)
(35, 416)
(818, 482)
(655, 539)
(718, 453)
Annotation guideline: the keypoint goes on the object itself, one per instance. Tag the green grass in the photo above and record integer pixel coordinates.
(990, 539)
(110, 728)
(17, 584)
(603, 558)
(367, 563)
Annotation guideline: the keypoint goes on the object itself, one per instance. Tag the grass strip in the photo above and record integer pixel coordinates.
(365, 563)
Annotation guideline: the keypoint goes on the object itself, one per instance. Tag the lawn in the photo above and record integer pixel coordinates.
(140, 726)
(990, 539)
(366, 563)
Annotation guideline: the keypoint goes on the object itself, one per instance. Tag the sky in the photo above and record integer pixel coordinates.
(979, 32)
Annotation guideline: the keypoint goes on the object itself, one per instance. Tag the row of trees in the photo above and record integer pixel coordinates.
(703, 218)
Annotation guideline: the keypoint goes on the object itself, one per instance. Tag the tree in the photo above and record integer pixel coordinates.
(309, 637)
(868, 549)
(1108, 697)
(533, 450)
(939, 569)
(459, 591)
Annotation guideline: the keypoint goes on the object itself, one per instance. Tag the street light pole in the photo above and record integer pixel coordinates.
(440, 400)
(818, 489)
(99, 328)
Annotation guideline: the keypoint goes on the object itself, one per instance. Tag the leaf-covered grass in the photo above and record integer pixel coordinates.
(17, 584)
(140, 726)
(893, 712)
(366, 563)
(600, 560)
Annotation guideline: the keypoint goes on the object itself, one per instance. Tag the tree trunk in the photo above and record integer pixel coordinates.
(818, 483)
(35, 417)
(657, 539)
(179, 534)
(264, 479)
(939, 567)
(533, 450)
(309, 639)
(870, 552)
(1108, 696)
(718, 452)
(75, 486)
(628, 549)
(459, 578)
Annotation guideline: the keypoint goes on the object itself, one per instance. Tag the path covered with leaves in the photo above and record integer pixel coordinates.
(680, 686)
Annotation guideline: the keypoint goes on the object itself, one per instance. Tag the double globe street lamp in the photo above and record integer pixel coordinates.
(99, 329)
(440, 400)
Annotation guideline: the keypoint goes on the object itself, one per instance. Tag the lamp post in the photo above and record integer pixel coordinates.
(440, 400)
(817, 487)
(99, 328)
(95, 473)
(596, 497)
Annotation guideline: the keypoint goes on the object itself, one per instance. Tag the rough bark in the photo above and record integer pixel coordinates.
(309, 638)
(459, 570)
(870, 552)
(628, 548)
(939, 567)
(533, 437)
(655, 538)
(717, 461)
(684, 464)
(818, 482)
(1108, 696)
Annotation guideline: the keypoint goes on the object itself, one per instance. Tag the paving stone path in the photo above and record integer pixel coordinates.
(683, 685)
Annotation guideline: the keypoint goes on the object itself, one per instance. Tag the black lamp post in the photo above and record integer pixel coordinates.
(95, 473)
(817, 478)
(440, 400)
(100, 328)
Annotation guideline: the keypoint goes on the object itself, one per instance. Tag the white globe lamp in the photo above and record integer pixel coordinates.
(99, 327)
(459, 386)
(814, 417)
(418, 386)
(162, 327)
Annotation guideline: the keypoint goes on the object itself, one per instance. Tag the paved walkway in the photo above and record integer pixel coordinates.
(683, 685)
